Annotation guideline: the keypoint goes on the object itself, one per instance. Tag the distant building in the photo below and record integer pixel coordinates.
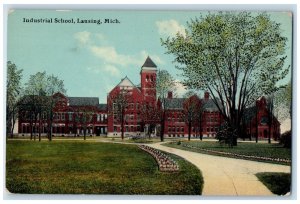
(176, 124)
(257, 121)
(66, 117)
(138, 121)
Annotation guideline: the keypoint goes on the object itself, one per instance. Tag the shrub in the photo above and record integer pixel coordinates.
(179, 143)
(286, 139)
(226, 134)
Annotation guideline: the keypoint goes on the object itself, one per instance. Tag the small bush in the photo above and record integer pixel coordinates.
(286, 139)
(226, 135)
(179, 143)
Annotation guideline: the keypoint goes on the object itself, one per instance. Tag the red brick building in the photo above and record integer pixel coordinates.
(136, 97)
(125, 109)
(67, 117)
(208, 121)
(257, 120)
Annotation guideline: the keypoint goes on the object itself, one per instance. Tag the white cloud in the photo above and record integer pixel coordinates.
(111, 59)
(83, 37)
(112, 70)
(108, 68)
(170, 28)
(110, 55)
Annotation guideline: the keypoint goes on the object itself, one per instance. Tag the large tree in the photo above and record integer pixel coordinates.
(164, 84)
(13, 94)
(33, 101)
(231, 54)
(53, 85)
(39, 91)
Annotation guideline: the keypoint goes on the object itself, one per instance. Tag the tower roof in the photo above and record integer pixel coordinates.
(149, 63)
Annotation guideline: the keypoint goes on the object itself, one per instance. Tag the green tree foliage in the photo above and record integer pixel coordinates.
(13, 94)
(164, 83)
(283, 102)
(39, 91)
(231, 55)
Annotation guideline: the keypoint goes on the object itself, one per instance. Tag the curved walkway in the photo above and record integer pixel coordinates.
(228, 176)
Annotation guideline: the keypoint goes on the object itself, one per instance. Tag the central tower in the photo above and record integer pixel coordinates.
(148, 80)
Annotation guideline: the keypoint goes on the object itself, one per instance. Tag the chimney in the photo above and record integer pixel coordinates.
(206, 95)
(170, 94)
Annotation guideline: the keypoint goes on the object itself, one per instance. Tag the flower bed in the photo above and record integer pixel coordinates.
(241, 156)
(165, 163)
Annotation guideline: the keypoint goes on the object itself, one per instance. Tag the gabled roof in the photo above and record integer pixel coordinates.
(126, 82)
(83, 101)
(149, 63)
(174, 103)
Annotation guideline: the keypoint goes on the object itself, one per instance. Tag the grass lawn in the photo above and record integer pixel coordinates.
(277, 183)
(243, 148)
(82, 167)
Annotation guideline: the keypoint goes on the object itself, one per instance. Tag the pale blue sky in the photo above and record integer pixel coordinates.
(91, 58)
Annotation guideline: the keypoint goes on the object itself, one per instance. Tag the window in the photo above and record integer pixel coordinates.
(70, 116)
(115, 128)
(62, 116)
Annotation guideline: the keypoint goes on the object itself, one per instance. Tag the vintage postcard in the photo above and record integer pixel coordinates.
(149, 102)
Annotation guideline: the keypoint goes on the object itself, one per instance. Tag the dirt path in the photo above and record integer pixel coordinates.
(228, 176)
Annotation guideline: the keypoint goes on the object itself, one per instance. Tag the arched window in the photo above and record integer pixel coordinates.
(147, 78)
(151, 78)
